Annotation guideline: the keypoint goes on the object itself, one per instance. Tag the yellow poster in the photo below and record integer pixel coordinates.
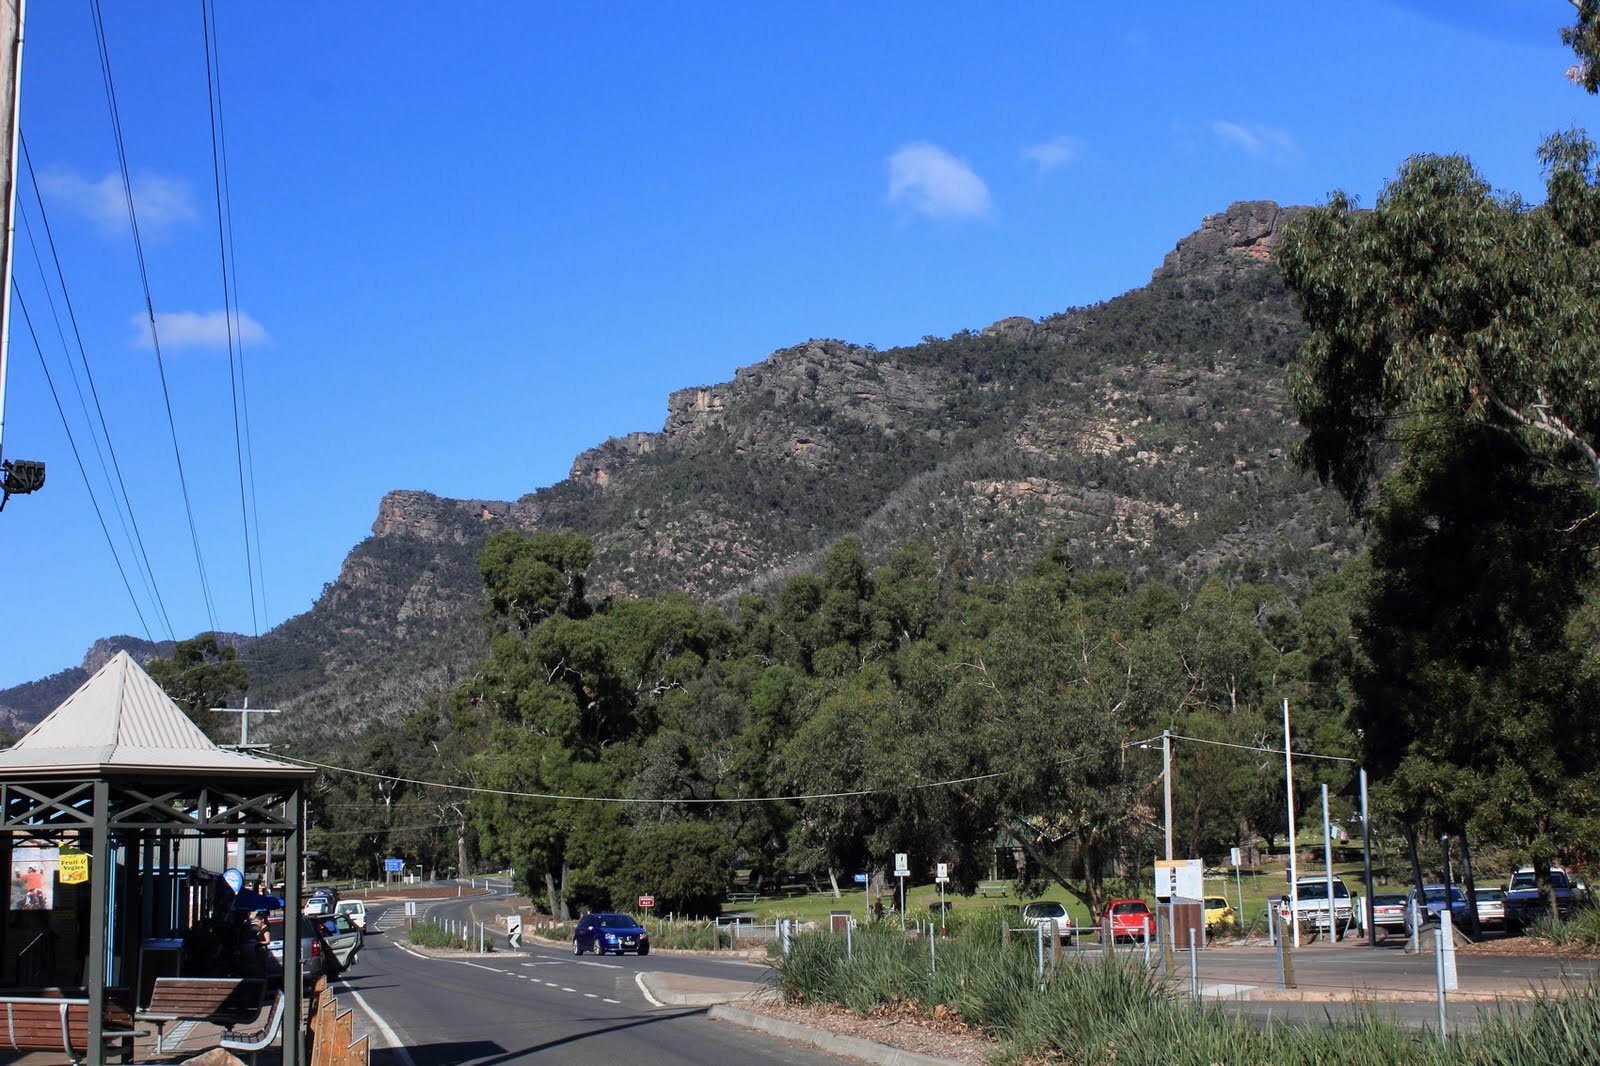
(74, 867)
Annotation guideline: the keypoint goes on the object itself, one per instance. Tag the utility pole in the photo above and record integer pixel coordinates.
(23, 475)
(1166, 784)
(244, 745)
(1288, 784)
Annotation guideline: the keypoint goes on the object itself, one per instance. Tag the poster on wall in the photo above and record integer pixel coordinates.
(33, 878)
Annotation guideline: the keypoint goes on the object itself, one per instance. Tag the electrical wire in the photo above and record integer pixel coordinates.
(77, 455)
(1253, 747)
(120, 492)
(149, 305)
(230, 295)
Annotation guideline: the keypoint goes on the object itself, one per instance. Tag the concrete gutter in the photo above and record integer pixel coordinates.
(835, 1044)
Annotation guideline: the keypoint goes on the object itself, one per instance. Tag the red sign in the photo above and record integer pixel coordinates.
(646, 902)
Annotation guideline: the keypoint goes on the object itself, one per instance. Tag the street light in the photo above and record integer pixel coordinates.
(1444, 850)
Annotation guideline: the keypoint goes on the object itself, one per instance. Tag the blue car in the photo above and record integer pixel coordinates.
(605, 933)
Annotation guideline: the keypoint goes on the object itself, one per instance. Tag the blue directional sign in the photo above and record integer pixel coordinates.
(393, 866)
(861, 879)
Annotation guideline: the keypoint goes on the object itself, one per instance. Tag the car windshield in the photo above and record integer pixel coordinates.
(1437, 895)
(1490, 895)
(1213, 902)
(1319, 890)
(1388, 901)
(615, 921)
(1044, 910)
(1132, 907)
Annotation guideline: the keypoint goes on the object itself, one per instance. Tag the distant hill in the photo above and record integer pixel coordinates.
(1151, 431)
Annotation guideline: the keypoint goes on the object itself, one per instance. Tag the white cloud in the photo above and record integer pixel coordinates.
(1260, 141)
(160, 201)
(930, 180)
(196, 329)
(1054, 153)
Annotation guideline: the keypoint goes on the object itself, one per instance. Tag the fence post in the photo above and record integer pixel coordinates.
(933, 961)
(1039, 929)
(1005, 933)
(1146, 934)
(1194, 969)
(849, 943)
(1107, 944)
(1438, 972)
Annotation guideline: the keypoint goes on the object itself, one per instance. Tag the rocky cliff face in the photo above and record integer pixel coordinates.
(1149, 431)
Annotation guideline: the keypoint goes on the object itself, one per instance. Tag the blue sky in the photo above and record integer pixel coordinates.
(474, 240)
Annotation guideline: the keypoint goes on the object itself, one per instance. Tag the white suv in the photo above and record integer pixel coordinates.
(1049, 912)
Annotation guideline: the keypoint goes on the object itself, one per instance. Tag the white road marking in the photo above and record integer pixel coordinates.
(611, 1000)
(638, 979)
(393, 1040)
(602, 965)
(590, 995)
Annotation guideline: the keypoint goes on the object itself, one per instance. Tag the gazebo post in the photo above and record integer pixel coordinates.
(100, 876)
(293, 976)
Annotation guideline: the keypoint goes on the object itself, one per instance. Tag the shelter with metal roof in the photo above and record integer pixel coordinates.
(99, 800)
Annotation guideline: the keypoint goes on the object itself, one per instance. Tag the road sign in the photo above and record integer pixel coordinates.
(514, 929)
(941, 872)
(902, 868)
(646, 902)
(1234, 856)
(861, 879)
(393, 866)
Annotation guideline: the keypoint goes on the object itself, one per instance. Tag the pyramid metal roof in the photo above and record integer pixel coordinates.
(121, 722)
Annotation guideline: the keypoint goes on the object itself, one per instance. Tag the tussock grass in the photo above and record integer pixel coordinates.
(1097, 1012)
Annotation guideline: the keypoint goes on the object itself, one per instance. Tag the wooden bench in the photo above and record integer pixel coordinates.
(743, 897)
(61, 1024)
(222, 1000)
(260, 1037)
(993, 889)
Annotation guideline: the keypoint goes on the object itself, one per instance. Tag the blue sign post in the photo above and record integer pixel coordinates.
(393, 866)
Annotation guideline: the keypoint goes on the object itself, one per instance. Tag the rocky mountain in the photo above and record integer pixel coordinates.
(1150, 431)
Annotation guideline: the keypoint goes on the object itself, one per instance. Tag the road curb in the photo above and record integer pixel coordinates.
(833, 1043)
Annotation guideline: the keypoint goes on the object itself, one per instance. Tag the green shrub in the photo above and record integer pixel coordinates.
(433, 935)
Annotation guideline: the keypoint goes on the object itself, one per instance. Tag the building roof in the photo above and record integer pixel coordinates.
(120, 722)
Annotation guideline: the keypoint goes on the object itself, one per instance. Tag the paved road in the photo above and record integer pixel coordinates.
(540, 1005)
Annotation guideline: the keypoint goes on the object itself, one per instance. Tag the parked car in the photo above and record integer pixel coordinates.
(1522, 895)
(605, 933)
(1311, 900)
(342, 938)
(1434, 903)
(1130, 919)
(355, 910)
(1219, 913)
(1389, 914)
(1491, 907)
(320, 902)
(1048, 913)
(316, 954)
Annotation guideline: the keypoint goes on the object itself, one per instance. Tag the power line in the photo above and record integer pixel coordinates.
(104, 529)
(149, 305)
(119, 493)
(230, 294)
(1253, 747)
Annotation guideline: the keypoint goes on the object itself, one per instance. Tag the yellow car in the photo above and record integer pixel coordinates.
(1220, 913)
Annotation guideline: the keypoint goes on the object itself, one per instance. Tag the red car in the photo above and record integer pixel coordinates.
(1130, 919)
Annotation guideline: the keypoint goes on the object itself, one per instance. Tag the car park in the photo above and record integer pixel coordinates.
(607, 933)
(1220, 913)
(1130, 919)
(1050, 915)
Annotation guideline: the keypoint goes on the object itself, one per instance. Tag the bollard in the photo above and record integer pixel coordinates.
(1039, 930)
(933, 962)
(1107, 944)
(1438, 971)
(1447, 932)
(1005, 934)
(1194, 970)
(1146, 936)
(849, 943)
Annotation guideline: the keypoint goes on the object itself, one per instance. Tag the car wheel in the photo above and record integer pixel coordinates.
(644, 949)
(577, 946)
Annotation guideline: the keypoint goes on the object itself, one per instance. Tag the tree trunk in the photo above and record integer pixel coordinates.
(1472, 887)
(1416, 873)
(833, 879)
